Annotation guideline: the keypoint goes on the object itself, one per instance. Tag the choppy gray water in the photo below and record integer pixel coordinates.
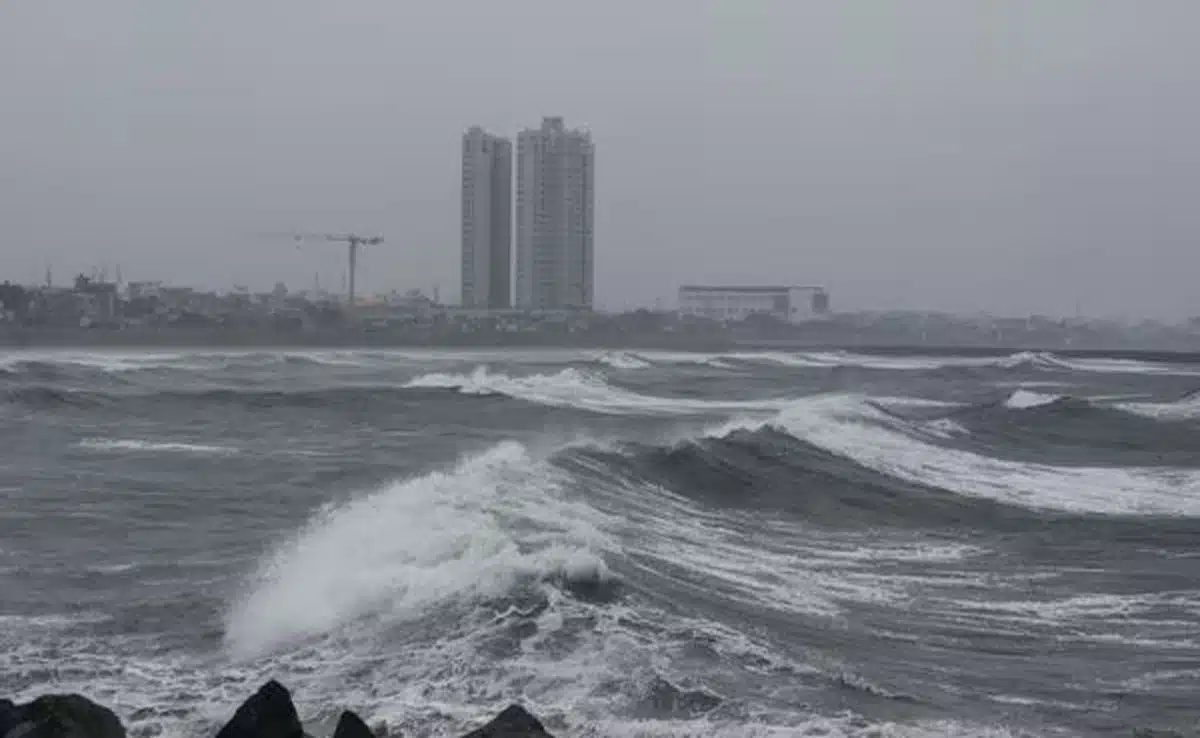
(634, 544)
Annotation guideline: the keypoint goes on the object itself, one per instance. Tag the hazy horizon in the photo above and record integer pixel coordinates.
(1012, 158)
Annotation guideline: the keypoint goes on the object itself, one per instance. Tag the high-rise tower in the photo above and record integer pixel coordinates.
(555, 216)
(486, 220)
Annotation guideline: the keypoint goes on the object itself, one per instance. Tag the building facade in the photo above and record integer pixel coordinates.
(555, 218)
(486, 220)
(730, 303)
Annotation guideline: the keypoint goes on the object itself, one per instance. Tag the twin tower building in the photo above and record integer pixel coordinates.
(554, 219)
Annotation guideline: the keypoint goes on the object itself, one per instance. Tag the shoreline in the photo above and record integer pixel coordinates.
(363, 340)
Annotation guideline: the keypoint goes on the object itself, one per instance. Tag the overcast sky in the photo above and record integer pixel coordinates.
(1004, 155)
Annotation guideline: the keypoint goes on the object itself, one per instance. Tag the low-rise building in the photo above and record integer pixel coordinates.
(792, 304)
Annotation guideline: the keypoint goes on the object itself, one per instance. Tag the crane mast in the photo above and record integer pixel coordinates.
(353, 241)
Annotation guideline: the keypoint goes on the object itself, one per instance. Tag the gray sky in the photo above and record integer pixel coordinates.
(1003, 155)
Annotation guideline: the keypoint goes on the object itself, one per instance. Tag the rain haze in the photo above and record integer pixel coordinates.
(1014, 157)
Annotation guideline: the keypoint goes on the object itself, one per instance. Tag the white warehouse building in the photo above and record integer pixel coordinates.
(731, 303)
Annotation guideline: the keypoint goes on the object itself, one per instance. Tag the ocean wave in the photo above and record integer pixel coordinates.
(415, 544)
(35, 365)
(60, 363)
(1184, 409)
(578, 389)
(1024, 398)
(849, 426)
(523, 562)
(1024, 360)
(505, 518)
(466, 547)
(848, 359)
(799, 558)
(686, 358)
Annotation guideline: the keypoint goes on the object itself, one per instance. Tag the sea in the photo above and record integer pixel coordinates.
(817, 543)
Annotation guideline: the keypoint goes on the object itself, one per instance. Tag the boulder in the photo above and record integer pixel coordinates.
(59, 716)
(350, 725)
(268, 713)
(8, 717)
(514, 722)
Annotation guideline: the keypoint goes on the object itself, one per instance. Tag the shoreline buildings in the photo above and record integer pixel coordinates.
(555, 216)
(486, 220)
(788, 303)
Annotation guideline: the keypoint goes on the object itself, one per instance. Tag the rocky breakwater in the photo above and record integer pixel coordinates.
(268, 713)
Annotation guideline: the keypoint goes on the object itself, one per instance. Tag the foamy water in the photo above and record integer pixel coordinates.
(785, 547)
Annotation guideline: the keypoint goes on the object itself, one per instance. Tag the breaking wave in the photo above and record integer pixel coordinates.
(505, 517)
(850, 427)
(576, 389)
(623, 360)
(1023, 399)
(1186, 408)
(415, 544)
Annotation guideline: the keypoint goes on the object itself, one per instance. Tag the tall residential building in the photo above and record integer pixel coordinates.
(486, 220)
(555, 216)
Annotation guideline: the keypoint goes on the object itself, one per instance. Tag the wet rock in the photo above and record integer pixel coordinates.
(59, 716)
(8, 717)
(268, 713)
(350, 725)
(514, 722)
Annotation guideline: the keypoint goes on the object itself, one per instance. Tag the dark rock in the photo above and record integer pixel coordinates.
(59, 716)
(351, 726)
(514, 722)
(268, 713)
(8, 717)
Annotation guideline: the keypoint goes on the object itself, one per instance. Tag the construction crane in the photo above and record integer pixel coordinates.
(353, 241)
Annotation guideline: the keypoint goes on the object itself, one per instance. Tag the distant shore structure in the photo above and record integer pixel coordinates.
(486, 220)
(792, 304)
(554, 219)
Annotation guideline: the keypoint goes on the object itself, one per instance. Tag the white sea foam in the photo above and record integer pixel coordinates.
(686, 358)
(140, 446)
(1023, 399)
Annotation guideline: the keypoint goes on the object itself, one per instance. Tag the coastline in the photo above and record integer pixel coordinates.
(199, 338)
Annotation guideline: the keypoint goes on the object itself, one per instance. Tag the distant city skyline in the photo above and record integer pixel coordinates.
(554, 219)
(1023, 157)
